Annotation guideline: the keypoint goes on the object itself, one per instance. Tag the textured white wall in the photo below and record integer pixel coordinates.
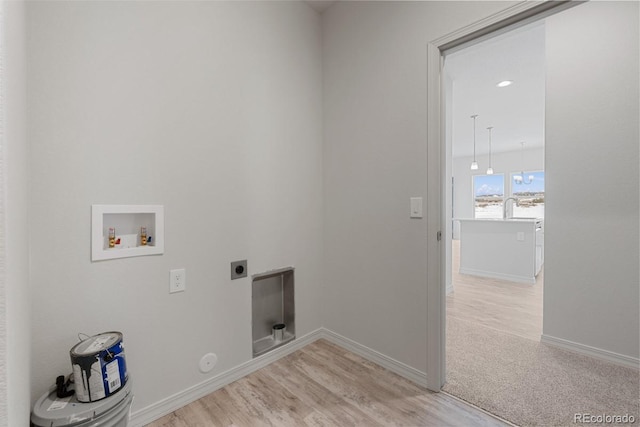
(375, 154)
(212, 109)
(591, 240)
(14, 152)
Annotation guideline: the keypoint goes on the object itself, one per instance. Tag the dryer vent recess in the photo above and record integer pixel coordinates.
(238, 269)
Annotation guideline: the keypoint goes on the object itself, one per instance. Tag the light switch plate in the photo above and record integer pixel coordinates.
(520, 236)
(177, 280)
(416, 207)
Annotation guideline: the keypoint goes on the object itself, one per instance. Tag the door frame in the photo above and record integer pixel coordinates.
(515, 16)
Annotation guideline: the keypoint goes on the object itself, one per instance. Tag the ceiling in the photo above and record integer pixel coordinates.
(320, 5)
(516, 112)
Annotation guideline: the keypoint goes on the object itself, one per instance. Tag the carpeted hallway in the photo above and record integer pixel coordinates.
(496, 362)
(532, 384)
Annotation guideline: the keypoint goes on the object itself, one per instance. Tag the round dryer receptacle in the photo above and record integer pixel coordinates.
(207, 362)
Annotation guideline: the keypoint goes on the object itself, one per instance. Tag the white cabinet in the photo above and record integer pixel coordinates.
(126, 223)
(510, 249)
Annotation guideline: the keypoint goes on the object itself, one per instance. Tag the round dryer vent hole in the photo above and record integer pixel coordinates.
(207, 362)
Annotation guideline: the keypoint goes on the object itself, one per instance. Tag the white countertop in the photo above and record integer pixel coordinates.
(499, 219)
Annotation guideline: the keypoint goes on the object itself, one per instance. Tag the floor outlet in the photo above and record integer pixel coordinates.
(177, 280)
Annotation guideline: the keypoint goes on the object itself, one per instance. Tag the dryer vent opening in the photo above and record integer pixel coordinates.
(273, 310)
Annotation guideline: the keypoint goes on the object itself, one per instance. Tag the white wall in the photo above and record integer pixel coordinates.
(14, 153)
(212, 109)
(503, 163)
(375, 154)
(591, 239)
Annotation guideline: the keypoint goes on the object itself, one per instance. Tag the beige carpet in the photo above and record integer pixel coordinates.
(532, 384)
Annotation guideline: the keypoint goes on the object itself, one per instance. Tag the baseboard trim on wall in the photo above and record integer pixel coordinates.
(191, 394)
(597, 353)
(178, 400)
(492, 275)
(406, 371)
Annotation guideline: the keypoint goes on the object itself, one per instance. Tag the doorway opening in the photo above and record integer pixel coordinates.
(529, 378)
(494, 97)
(439, 156)
(495, 108)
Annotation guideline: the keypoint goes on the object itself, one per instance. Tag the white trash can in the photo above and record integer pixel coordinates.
(113, 411)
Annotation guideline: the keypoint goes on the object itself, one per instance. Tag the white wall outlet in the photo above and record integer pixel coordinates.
(177, 280)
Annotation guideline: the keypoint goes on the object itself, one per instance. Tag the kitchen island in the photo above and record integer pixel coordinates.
(509, 249)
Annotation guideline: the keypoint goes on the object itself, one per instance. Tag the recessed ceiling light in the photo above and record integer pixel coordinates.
(505, 83)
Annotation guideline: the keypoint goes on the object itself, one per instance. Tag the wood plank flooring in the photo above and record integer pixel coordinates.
(511, 307)
(325, 385)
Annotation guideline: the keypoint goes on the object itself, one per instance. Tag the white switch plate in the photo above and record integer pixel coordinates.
(177, 280)
(416, 207)
(520, 236)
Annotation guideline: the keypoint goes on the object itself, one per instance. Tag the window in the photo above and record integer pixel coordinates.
(529, 190)
(488, 193)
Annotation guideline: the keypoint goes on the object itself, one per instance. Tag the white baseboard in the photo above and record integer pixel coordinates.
(596, 353)
(406, 371)
(500, 276)
(178, 400)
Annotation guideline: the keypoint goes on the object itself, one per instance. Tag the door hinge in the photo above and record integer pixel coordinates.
(439, 235)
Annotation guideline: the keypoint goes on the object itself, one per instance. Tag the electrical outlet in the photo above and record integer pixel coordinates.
(177, 280)
(238, 269)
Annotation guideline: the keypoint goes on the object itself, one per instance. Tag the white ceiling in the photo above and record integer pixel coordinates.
(516, 112)
(320, 5)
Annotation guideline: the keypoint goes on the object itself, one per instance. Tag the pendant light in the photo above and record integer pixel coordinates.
(519, 179)
(490, 169)
(474, 164)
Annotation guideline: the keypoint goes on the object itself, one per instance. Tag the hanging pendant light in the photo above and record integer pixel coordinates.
(490, 169)
(474, 164)
(519, 179)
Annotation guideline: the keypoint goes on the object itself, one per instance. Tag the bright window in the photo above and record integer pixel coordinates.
(488, 193)
(528, 188)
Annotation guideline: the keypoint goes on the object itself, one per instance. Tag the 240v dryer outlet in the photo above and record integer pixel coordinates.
(177, 280)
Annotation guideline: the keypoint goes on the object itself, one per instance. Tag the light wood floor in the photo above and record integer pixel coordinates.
(325, 385)
(515, 308)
